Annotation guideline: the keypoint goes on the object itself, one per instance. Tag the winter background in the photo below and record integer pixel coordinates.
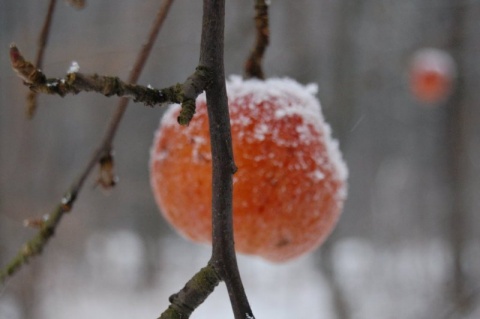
(408, 243)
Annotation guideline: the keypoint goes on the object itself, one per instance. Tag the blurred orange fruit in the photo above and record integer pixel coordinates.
(431, 75)
(291, 180)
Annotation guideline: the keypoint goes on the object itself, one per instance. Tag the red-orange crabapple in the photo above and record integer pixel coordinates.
(432, 74)
(290, 185)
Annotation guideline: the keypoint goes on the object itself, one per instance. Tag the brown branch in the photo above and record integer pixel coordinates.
(253, 66)
(46, 230)
(48, 226)
(76, 82)
(42, 42)
(223, 263)
(196, 290)
(223, 165)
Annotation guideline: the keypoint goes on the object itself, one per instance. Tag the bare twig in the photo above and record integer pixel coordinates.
(133, 77)
(47, 228)
(42, 42)
(76, 82)
(253, 66)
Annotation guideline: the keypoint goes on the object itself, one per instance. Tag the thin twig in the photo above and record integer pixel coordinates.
(253, 66)
(42, 42)
(47, 229)
(134, 75)
(76, 82)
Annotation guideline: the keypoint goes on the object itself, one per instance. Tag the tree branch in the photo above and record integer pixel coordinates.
(223, 165)
(47, 229)
(194, 293)
(223, 261)
(133, 77)
(253, 66)
(48, 225)
(76, 82)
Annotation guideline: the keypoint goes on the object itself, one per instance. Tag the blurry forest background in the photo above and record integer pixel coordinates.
(408, 243)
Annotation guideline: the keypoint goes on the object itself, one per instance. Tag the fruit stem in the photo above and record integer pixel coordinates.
(253, 66)
(223, 166)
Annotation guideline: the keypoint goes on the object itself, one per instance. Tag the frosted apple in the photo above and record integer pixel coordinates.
(432, 74)
(291, 180)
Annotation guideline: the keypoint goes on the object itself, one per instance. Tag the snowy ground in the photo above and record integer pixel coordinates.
(108, 283)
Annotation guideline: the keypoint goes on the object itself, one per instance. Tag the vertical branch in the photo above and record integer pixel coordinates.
(223, 166)
(42, 42)
(253, 66)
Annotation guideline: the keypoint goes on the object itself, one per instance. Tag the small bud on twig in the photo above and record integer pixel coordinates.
(25, 69)
(106, 176)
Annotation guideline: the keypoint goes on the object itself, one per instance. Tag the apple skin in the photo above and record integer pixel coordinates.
(291, 180)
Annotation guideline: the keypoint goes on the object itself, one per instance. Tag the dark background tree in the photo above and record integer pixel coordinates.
(393, 252)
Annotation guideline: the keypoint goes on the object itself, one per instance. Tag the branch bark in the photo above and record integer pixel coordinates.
(76, 82)
(194, 293)
(223, 165)
(223, 261)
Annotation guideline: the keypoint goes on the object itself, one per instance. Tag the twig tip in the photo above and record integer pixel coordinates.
(15, 54)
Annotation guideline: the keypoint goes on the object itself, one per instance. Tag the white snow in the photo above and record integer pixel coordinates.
(273, 290)
(9, 307)
(74, 67)
(435, 60)
(400, 281)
